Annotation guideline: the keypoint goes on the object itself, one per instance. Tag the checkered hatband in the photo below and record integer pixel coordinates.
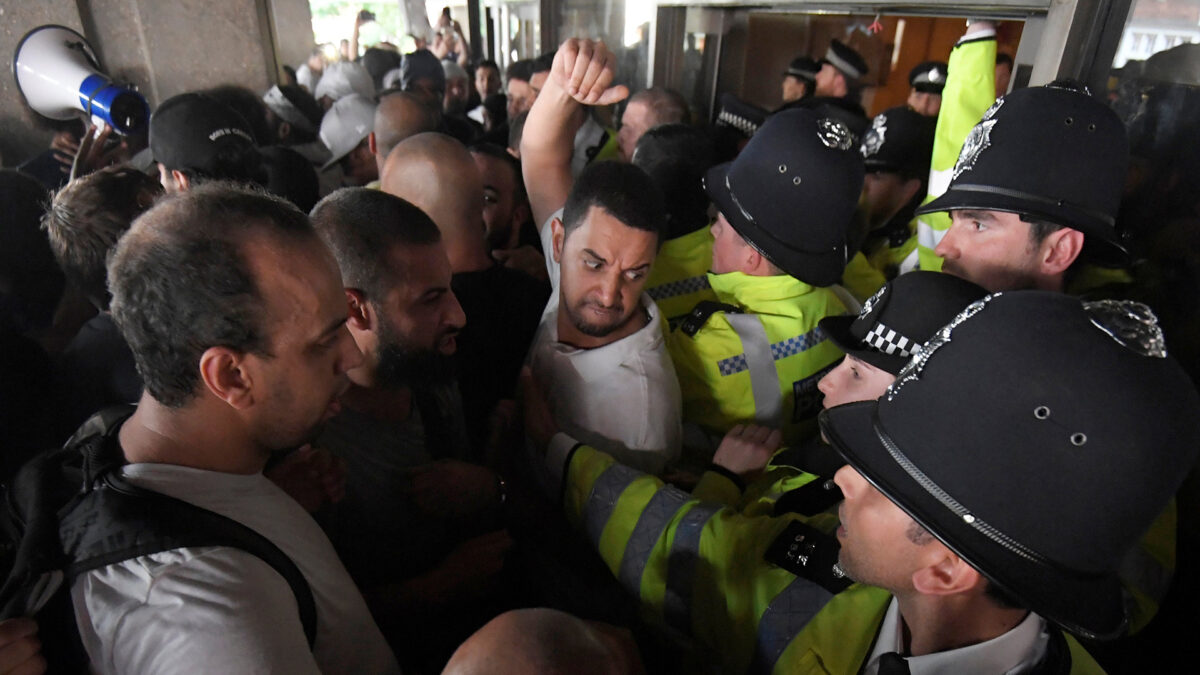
(885, 340)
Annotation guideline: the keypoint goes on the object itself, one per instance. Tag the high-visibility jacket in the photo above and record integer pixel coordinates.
(893, 248)
(678, 280)
(757, 357)
(970, 90)
(707, 571)
(861, 278)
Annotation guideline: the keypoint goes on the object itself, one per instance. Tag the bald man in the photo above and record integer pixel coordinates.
(503, 306)
(398, 116)
(548, 642)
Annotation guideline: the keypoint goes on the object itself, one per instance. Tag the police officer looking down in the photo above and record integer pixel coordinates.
(780, 245)
(1036, 185)
(952, 571)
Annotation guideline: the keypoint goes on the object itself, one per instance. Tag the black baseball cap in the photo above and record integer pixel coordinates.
(1038, 437)
(195, 132)
(792, 193)
(901, 316)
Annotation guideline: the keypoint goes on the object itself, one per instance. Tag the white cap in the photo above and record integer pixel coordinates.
(345, 126)
(452, 70)
(342, 79)
(286, 110)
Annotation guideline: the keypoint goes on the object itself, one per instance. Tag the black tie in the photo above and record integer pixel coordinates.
(892, 663)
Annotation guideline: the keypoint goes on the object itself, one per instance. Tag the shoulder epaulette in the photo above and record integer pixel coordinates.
(700, 314)
(808, 553)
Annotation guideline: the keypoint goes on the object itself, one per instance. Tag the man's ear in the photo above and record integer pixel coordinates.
(182, 182)
(910, 189)
(360, 315)
(283, 131)
(558, 236)
(945, 573)
(371, 144)
(225, 373)
(1060, 249)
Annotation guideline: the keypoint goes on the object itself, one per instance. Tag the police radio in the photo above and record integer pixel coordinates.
(59, 75)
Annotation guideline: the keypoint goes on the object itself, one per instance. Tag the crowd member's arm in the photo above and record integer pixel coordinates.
(740, 459)
(582, 74)
(970, 90)
(20, 649)
(698, 567)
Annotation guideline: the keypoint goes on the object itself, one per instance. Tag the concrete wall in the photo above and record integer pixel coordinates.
(164, 48)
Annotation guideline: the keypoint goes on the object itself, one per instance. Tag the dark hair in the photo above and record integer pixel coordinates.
(519, 70)
(493, 150)
(623, 190)
(1001, 57)
(181, 283)
(247, 104)
(489, 63)
(516, 128)
(496, 106)
(1040, 229)
(362, 226)
(542, 63)
(308, 106)
(379, 62)
(291, 176)
(668, 105)
(87, 217)
(676, 157)
(27, 265)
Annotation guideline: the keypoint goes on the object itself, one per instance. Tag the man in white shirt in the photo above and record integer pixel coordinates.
(234, 312)
(599, 351)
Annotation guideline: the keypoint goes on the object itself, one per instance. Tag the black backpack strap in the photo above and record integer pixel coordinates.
(118, 521)
(699, 315)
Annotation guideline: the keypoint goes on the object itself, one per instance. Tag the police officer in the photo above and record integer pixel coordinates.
(968, 92)
(841, 69)
(878, 342)
(779, 245)
(800, 79)
(896, 151)
(1037, 183)
(927, 80)
(974, 545)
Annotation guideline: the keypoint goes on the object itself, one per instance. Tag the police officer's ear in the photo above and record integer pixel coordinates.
(558, 235)
(1059, 249)
(942, 572)
(361, 316)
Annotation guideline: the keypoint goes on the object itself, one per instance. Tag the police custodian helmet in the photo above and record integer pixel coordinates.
(1038, 437)
(792, 191)
(1051, 153)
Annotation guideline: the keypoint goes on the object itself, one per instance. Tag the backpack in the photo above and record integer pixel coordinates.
(68, 511)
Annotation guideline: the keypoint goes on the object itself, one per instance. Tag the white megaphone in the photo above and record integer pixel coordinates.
(58, 74)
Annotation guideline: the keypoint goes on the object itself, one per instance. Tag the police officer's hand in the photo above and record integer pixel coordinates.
(20, 649)
(586, 70)
(540, 426)
(746, 449)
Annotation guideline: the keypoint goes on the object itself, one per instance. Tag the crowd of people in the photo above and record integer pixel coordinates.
(513, 391)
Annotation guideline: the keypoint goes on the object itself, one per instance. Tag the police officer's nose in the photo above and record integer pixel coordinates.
(948, 246)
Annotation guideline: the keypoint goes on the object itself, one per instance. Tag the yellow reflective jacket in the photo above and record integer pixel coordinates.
(703, 569)
(679, 279)
(757, 357)
(970, 90)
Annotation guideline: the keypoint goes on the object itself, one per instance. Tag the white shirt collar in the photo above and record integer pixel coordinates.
(1016, 651)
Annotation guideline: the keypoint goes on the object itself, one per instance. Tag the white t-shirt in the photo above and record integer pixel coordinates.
(217, 609)
(622, 398)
